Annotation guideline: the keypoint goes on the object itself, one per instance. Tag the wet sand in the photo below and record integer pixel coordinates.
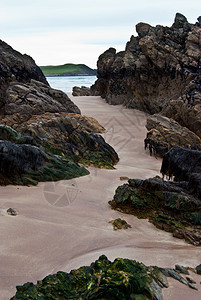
(64, 225)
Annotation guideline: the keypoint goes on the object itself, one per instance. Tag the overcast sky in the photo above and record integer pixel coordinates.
(78, 31)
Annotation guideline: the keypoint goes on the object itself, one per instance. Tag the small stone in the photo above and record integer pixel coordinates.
(192, 286)
(123, 178)
(181, 269)
(119, 224)
(190, 280)
(11, 212)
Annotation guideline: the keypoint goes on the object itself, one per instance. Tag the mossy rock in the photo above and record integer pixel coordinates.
(166, 204)
(122, 279)
(120, 224)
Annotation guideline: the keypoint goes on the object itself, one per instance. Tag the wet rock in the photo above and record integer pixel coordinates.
(27, 165)
(81, 91)
(167, 205)
(198, 269)
(11, 212)
(182, 269)
(121, 279)
(192, 286)
(120, 224)
(172, 273)
(190, 280)
(34, 98)
(184, 165)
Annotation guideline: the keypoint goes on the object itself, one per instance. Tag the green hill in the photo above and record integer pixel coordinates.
(68, 70)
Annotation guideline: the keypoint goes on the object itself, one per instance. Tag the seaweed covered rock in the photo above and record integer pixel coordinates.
(121, 279)
(164, 133)
(27, 164)
(168, 205)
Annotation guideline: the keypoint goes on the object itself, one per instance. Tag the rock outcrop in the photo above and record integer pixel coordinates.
(168, 205)
(156, 66)
(173, 206)
(16, 67)
(122, 279)
(42, 133)
(81, 91)
(184, 165)
(164, 133)
(159, 72)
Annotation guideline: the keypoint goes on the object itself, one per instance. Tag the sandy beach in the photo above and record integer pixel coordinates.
(64, 225)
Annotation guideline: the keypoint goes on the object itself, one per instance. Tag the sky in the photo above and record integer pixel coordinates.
(56, 32)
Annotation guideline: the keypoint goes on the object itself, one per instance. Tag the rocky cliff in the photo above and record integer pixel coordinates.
(42, 133)
(159, 72)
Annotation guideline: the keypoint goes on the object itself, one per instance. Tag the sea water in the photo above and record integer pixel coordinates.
(66, 83)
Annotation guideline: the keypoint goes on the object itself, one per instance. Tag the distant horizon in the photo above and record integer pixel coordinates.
(55, 31)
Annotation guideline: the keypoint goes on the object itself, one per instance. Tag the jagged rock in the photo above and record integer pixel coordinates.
(181, 163)
(41, 129)
(16, 67)
(159, 72)
(172, 273)
(192, 286)
(164, 133)
(167, 205)
(182, 269)
(190, 280)
(122, 279)
(81, 91)
(120, 224)
(34, 98)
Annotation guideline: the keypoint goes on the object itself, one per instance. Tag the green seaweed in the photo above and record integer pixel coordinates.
(122, 279)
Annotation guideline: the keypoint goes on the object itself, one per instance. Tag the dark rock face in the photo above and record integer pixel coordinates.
(81, 91)
(159, 72)
(168, 205)
(164, 133)
(27, 165)
(184, 165)
(155, 67)
(16, 67)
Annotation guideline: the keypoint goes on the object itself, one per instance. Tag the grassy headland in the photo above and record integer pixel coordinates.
(68, 70)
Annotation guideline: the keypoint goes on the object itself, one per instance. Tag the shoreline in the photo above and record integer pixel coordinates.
(75, 234)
